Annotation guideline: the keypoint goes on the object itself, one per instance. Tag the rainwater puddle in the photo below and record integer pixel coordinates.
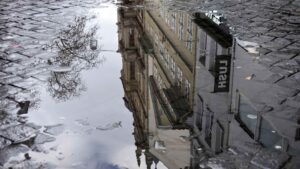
(148, 84)
(93, 130)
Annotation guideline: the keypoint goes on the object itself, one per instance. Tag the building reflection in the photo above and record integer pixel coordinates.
(134, 76)
(157, 88)
(190, 104)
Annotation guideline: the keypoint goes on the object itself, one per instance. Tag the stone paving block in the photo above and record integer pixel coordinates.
(261, 39)
(291, 50)
(269, 160)
(286, 92)
(277, 34)
(11, 24)
(289, 83)
(281, 54)
(30, 84)
(287, 112)
(12, 79)
(293, 103)
(31, 52)
(269, 61)
(41, 9)
(48, 24)
(280, 42)
(46, 55)
(290, 65)
(13, 50)
(293, 36)
(3, 63)
(294, 163)
(9, 36)
(16, 57)
(29, 12)
(274, 78)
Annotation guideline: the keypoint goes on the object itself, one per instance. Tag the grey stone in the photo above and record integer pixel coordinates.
(42, 138)
(19, 133)
(4, 143)
(12, 151)
(287, 112)
(294, 163)
(292, 36)
(287, 92)
(261, 39)
(274, 78)
(54, 129)
(293, 103)
(289, 83)
(269, 159)
(278, 43)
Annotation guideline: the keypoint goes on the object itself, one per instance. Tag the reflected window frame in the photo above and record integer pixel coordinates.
(269, 138)
(254, 132)
(131, 37)
(280, 145)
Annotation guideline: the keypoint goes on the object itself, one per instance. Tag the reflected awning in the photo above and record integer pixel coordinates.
(219, 33)
(175, 111)
(178, 102)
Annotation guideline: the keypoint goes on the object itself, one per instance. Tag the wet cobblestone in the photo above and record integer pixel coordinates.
(25, 27)
(273, 25)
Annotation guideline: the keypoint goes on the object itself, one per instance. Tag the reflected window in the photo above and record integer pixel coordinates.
(159, 145)
(189, 34)
(187, 87)
(208, 125)
(211, 47)
(132, 71)
(297, 137)
(247, 115)
(269, 137)
(203, 42)
(173, 21)
(173, 66)
(199, 112)
(181, 23)
(178, 76)
(131, 37)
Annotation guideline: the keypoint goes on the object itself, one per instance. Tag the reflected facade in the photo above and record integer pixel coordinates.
(186, 85)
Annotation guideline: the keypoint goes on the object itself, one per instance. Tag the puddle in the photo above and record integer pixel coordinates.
(116, 85)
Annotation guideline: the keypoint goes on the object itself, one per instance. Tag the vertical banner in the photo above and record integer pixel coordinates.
(222, 70)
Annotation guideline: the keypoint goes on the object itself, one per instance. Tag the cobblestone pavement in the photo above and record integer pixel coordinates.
(270, 30)
(273, 25)
(27, 27)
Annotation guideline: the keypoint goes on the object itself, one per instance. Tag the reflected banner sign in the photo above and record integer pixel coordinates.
(222, 70)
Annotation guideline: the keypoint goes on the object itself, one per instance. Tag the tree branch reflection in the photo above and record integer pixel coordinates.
(75, 53)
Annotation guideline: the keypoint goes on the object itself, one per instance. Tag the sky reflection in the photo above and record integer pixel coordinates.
(81, 144)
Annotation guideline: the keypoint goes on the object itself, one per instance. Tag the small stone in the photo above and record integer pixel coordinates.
(27, 157)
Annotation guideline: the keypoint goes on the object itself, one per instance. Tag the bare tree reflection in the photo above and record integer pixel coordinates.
(64, 85)
(75, 53)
